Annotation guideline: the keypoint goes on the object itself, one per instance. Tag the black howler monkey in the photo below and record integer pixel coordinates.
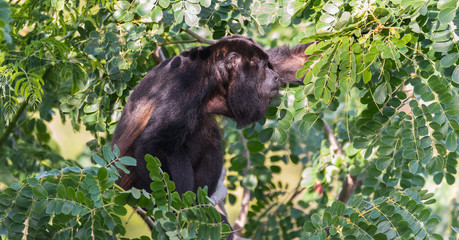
(170, 112)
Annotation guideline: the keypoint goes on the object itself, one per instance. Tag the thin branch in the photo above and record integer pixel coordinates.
(179, 42)
(151, 224)
(199, 38)
(158, 55)
(350, 183)
(242, 217)
(334, 145)
(298, 190)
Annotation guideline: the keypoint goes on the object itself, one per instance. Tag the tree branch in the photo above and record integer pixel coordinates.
(158, 55)
(179, 42)
(334, 145)
(350, 183)
(151, 224)
(242, 217)
(199, 38)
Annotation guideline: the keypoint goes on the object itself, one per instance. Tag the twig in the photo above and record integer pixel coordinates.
(199, 38)
(179, 42)
(158, 55)
(242, 217)
(146, 218)
(334, 145)
(350, 183)
(298, 190)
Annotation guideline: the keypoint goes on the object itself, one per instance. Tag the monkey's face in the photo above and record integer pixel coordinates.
(250, 90)
(270, 84)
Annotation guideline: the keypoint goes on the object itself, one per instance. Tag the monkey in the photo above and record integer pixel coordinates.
(170, 113)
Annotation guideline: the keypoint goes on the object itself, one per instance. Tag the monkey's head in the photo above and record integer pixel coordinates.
(247, 79)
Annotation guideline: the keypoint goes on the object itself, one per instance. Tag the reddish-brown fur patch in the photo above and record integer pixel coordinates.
(134, 127)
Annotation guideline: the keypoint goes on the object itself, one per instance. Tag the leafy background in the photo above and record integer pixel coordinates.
(369, 142)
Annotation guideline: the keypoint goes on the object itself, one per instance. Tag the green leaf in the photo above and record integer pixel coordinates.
(206, 3)
(191, 18)
(301, 72)
(128, 161)
(234, 25)
(265, 135)
(343, 20)
(360, 143)
(67, 208)
(444, 4)
(145, 8)
(431, 223)
(316, 220)
(135, 193)
(80, 196)
(424, 215)
(449, 59)
(455, 76)
(380, 236)
(254, 146)
(122, 167)
(309, 227)
(382, 163)
(40, 191)
(338, 208)
(331, 8)
(414, 3)
(438, 178)
(443, 46)
(380, 93)
(157, 14)
(250, 181)
(447, 15)
(280, 136)
(453, 109)
(102, 174)
(327, 218)
(366, 76)
(164, 3)
(108, 155)
(116, 151)
(98, 159)
(61, 191)
(451, 142)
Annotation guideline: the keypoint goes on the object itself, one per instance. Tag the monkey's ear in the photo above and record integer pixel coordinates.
(232, 60)
(229, 63)
(286, 62)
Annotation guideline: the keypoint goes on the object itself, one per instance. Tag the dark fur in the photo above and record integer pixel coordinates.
(170, 112)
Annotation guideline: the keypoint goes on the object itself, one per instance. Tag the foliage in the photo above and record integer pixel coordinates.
(395, 216)
(383, 75)
(75, 203)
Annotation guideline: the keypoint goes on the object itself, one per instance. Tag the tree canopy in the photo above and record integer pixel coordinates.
(372, 129)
